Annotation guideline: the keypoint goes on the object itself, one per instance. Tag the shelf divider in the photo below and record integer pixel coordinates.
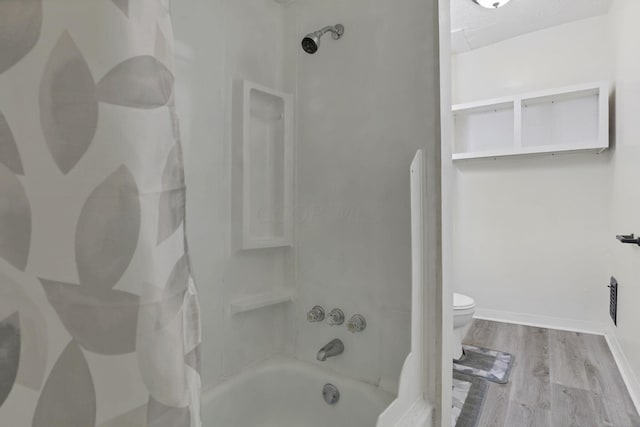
(517, 121)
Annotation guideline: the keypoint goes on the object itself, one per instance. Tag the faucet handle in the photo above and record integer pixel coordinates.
(336, 317)
(316, 314)
(357, 323)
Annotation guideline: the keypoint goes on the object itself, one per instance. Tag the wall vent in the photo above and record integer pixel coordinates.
(613, 300)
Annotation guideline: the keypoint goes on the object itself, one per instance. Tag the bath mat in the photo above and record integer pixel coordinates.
(491, 365)
(469, 393)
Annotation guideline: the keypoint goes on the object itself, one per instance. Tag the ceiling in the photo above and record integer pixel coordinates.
(473, 26)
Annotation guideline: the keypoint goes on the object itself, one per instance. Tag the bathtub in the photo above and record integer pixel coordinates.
(288, 393)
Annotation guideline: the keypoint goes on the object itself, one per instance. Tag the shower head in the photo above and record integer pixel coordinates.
(311, 42)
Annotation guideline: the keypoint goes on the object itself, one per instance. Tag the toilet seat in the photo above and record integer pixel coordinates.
(462, 302)
(463, 310)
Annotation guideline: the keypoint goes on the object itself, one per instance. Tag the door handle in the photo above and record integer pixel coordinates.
(629, 239)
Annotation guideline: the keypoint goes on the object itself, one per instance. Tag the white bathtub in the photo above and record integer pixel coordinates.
(288, 393)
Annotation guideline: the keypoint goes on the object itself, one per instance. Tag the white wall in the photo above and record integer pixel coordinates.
(625, 259)
(578, 52)
(531, 234)
(219, 42)
(364, 108)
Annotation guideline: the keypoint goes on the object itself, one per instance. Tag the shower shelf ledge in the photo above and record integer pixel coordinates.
(265, 299)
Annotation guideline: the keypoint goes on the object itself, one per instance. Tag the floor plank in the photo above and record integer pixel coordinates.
(496, 404)
(531, 384)
(559, 379)
(605, 380)
(567, 358)
(573, 407)
(481, 333)
(503, 337)
(507, 338)
(522, 415)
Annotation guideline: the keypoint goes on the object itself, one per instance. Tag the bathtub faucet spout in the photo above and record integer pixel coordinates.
(334, 348)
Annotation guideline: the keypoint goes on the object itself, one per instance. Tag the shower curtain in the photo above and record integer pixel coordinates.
(99, 317)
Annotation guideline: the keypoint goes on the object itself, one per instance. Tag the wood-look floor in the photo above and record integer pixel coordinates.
(559, 379)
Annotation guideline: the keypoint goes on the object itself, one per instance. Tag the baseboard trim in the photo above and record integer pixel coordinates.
(558, 323)
(629, 377)
(572, 325)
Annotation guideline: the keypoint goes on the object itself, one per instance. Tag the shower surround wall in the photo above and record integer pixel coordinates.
(360, 119)
(219, 43)
(364, 106)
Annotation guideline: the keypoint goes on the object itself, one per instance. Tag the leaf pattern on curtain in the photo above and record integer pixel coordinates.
(163, 51)
(192, 359)
(173, 295)
(164, 377)
(139, 82)
(9, 155)
(33, 333)
(9, 354)
(68, 104)
(114, 247)
(172, 199)
(15, 220)
(68, 397)
(101, 321)
(159, 415)
(20, 24)
(108, 230)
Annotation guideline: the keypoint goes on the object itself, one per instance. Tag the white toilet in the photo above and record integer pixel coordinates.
(463, 309)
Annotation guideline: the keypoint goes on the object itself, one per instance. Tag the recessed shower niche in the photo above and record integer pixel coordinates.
(263, 167)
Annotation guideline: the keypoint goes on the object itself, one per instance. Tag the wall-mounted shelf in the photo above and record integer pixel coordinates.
(572, 118)
(257, 301)
(263, 168)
